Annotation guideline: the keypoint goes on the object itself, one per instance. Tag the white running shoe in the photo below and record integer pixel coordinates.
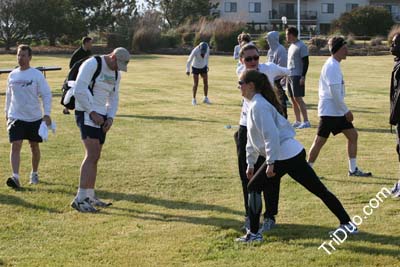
(34, 178)
(296, 124)
(267, 225)
(304, 125)
(83, 206)
(250, 237)
(206, 101)
(349, 228)
(194, 102)
(396, 189)
(94, 201)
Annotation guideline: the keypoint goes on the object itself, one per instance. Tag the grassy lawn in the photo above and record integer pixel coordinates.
(170, 170)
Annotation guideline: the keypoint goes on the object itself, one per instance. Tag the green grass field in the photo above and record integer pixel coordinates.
(170, 170)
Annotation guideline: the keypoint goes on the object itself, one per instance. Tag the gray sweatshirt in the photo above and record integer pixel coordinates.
(269, 134)
(277, 53)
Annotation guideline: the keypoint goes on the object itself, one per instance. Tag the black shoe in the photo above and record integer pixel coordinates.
(360, 173)
(13, 183)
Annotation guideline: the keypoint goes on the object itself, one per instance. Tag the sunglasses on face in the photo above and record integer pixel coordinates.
(240, 82)
(249, 59)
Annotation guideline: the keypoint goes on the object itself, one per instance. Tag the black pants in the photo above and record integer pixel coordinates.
(298, 168)
(282, 97)
(241, 141)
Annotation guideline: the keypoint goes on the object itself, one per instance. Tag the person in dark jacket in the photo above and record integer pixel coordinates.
(84, 51)
(394, 95)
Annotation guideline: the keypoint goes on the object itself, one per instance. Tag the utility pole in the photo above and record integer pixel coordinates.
(298, 17)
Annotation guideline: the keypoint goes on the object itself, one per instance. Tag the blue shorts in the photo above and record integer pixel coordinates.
(89, 131)
(20, 130)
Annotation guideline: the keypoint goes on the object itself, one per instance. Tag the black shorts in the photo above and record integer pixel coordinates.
(199, 71)
(89, 131)
(334, 125)
(20, 130)
(294, 87)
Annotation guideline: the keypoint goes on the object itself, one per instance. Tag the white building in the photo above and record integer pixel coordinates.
(315, 14)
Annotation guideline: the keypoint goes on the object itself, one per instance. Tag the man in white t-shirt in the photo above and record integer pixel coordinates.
(334, 115)
(94, 113)
(25, 87)
(198, 60)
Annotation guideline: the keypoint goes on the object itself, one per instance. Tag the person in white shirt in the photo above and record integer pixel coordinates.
(271, 136)
(249, 57)
(25, 87)
(94, 114)
(198, 60)
(236, 50)
(335, 117)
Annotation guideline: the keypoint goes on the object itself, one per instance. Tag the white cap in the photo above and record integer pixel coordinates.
(122, 55)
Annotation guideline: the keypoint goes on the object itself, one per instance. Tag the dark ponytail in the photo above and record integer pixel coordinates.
(264, 87)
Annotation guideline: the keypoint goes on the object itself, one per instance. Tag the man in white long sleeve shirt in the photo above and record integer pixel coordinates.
(334, 115)
(25, 85)
(94, 112)
(198, 60)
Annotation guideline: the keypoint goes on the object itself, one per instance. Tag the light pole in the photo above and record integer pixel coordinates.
(298, 17)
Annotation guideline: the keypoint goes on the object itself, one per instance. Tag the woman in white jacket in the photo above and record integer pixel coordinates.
(271, 136)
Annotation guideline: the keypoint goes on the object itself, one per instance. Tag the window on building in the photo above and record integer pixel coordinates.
(255, 7)
(230, 7)
(350, 7)
(327, 8)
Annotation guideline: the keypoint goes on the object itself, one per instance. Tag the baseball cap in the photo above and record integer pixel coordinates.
(122, 55)
(335, 43)
(203, 47)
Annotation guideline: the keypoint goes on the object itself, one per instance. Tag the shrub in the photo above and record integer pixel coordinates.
(318, 42)
(262, 42)
(171, 39)
(365, 21)
(225, 34)
(313, 49)
(146, 39)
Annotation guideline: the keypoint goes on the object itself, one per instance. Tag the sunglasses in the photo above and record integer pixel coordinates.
(249, 59)
(240, 82)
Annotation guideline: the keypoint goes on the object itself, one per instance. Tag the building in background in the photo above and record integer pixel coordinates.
(316, 15)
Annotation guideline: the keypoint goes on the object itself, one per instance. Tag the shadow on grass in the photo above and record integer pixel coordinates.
(222, 223)
(167, 203)
(364, 180)
(163, 118)
(290, 232)
(16, 201)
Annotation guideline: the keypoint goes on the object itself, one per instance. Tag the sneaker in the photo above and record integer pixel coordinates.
(296, 124)
(267, 225)
(250, 237)
(34, 178)
(83, 206)
(206, 101)
(246, 227)
(359, 173)
(304, 125)
(66, 111)
(94, 201)
(396, 189)
(13, 183)
(194, 102)
(349, 228)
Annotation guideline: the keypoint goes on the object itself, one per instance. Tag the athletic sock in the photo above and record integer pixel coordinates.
(82, 194)
(352, 164)
(34, 173)
(90, 192)
(311, 164)
(15, 175)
